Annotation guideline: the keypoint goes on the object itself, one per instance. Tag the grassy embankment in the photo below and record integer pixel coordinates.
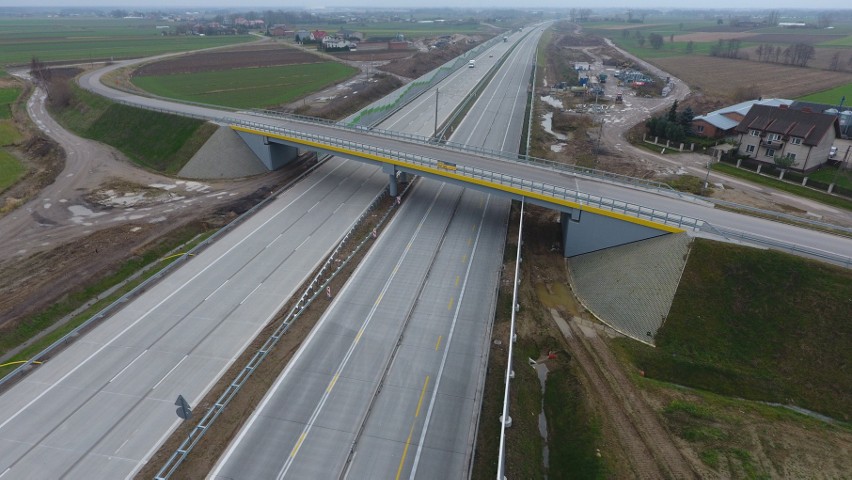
(89, 39)
(247, 87)
(10, 168)
(155, 140)
(760, 325)
(832, 96)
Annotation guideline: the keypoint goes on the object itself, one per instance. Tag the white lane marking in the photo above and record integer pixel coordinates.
(128, 366)
(5, 472)
(217, 289)
(327, 393)
(303, 242)
(158, 305)
(170, 372)
(250, 293)
(447, 346)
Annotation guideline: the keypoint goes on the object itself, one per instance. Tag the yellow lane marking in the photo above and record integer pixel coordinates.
(358, 337)
(463, 178)
(298, 444)
(380, 297)
(450, 305)
(438, 344)
(333, 381)
(411, 430)
(469, 240)
(404, 453)
(464, 258)
(422, 393)
(457, 280)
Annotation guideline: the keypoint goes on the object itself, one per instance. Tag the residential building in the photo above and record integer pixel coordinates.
(804, 137)
(720, 123)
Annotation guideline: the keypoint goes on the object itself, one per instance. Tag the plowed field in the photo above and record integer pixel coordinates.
(722, 76)
(251, 56)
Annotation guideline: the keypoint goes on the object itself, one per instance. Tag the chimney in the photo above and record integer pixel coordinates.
(783, 106)
(807, 110)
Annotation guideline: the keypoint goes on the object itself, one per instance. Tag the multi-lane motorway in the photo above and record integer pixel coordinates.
(102, 406)
(389, 384)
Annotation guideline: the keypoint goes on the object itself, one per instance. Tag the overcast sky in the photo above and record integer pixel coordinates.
(291, 4)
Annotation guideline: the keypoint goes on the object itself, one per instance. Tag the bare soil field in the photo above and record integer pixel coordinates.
(722, 76)
(263, 55)
(373, 55)
(423, 62)
(713, 36)
(821, 60)
(809, 38)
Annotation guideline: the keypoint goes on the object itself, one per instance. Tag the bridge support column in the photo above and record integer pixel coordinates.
(273, 155)
(393, 186)
(584, 232)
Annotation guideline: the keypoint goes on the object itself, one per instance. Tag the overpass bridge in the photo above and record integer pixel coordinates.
(589, 222)
(598, 209)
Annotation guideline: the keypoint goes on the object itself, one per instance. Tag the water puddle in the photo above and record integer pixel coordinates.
(547, 125)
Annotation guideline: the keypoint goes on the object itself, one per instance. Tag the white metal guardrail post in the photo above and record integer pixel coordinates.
(504, 418)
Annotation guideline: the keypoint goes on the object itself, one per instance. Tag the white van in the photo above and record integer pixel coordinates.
(471, 64)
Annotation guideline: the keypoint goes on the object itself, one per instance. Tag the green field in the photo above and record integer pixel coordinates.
(831, 97)
(85, 39)
(247, 87)
(757, 324)
(7, 97)
(10, 169)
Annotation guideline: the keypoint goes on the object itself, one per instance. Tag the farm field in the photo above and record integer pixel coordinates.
(410, 30)
(722, 76)
(247, 87)
(831, 96)
(10, 169)
(245, 56)
(88, 39)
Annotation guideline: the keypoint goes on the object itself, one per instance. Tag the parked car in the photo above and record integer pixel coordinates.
(833, 152)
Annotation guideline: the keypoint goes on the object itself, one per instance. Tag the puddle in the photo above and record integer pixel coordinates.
(553, 102)
(547, 124)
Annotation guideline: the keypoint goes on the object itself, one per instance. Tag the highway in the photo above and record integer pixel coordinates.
(389, 383)
(103, 405)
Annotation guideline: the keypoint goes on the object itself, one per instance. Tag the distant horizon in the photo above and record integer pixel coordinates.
(733, 5)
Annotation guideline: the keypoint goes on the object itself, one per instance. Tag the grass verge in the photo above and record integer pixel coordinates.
(799, 190)
(10, 169)
(757, 324)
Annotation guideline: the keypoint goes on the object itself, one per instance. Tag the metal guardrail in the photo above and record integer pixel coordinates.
(328, 272)
(736, 235)
(540, 188)
(505, 418)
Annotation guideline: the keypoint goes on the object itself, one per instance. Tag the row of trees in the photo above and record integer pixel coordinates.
(799, 54)
(726, 49)
(674, 125)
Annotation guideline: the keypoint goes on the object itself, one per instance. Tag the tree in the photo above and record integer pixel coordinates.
(656, 40)
(773, 17)
(783, 162)
(824, 20)
(671, 38)
(690, 46)
(684, 119)
(672, 115)
(835, 62)
(625, 33)
(641, 41)
(719, 21)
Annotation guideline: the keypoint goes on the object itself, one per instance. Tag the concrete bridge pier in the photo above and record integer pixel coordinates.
(393, 185)
(274, 155)
(584, 232)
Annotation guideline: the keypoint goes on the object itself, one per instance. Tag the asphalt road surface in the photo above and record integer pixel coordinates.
(102, 406)
(389, 383)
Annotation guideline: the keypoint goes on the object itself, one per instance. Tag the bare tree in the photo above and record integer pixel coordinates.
(835, 62)
(824, 19)
(773, 17)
